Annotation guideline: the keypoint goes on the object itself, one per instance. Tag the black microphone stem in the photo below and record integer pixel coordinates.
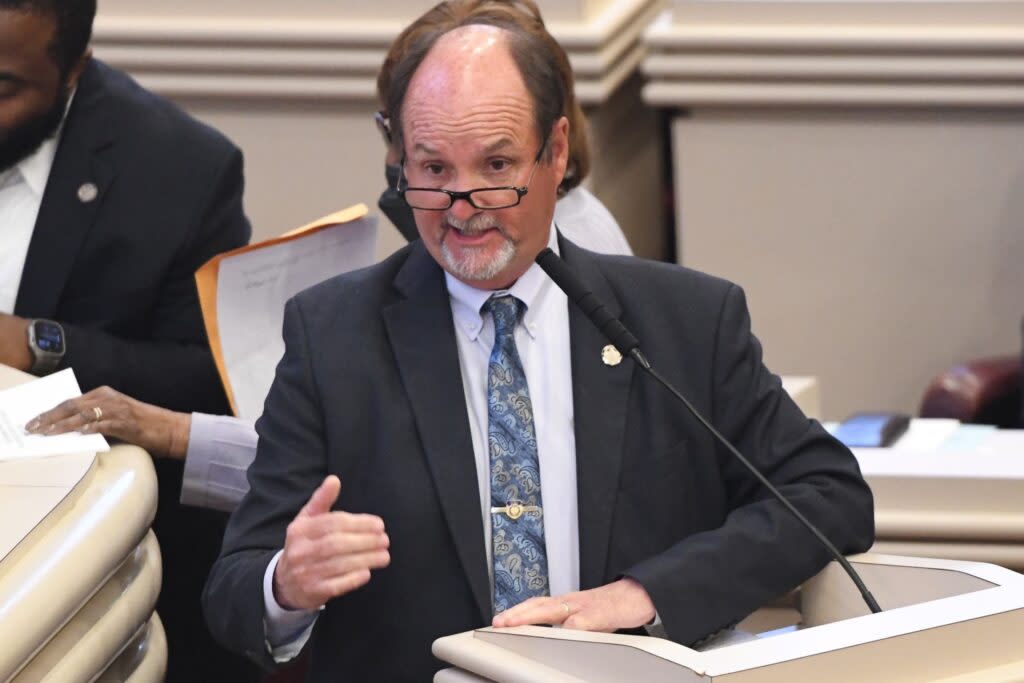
(869, 599)
(567, 280)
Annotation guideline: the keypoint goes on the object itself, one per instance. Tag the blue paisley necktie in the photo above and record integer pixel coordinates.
(517, 521)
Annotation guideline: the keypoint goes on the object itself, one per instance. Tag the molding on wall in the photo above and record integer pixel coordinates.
(908, 54)
(300, 59)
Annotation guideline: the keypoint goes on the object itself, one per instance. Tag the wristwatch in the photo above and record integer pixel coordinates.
(46, 340)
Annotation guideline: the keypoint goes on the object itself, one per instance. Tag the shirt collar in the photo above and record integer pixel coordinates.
(531, 289)
(35, 169)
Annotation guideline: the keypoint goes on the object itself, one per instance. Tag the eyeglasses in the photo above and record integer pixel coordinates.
(485, 198)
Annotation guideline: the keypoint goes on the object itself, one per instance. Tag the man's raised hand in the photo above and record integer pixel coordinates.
(328, 553)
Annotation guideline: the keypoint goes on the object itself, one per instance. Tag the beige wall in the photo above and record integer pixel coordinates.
(875, 248)
(303, 160)
(324, 9)
(859, 169)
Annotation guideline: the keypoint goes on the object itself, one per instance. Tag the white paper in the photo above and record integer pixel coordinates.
(253, 287)
(926, 435)
(967, 437)
(20, 404)
(1004, 441)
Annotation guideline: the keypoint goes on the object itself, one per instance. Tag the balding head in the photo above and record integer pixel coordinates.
(521, 18)
(482, 176)
(469, 86)
(540, 61)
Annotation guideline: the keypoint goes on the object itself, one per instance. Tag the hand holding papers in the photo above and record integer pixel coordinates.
(243, 293)
(20, 404)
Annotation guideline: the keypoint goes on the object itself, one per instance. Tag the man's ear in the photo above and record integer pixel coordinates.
(78, 68)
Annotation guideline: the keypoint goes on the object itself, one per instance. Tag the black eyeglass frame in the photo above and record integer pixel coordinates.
(455, 195)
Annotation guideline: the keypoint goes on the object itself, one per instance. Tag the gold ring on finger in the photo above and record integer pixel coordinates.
(565, 608)
(98, 412)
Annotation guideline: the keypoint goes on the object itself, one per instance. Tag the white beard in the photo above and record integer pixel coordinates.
(477, 264)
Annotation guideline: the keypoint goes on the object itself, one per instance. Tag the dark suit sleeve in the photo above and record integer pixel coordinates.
(290, 464)
(170, 364)
(712, 579)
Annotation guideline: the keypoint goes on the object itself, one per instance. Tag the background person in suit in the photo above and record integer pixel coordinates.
(110, 198)
(386, 385)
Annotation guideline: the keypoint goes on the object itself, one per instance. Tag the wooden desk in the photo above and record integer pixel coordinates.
(79, 567)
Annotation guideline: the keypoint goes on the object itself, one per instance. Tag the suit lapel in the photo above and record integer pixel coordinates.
(600, 398)
(422, 335)
(79, 181)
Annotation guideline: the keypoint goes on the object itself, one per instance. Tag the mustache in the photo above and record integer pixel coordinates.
(474, 224)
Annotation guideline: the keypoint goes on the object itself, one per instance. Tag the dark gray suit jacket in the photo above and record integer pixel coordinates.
(369, 389)
(118, 271)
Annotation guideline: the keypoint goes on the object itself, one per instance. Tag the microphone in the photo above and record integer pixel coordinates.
(627, 344)
(559, 271)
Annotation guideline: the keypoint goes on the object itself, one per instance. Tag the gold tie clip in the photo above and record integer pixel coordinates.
(514, 510)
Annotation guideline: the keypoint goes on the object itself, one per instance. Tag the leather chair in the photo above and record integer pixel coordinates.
(981, 391)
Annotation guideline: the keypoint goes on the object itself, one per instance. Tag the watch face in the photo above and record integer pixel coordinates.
(49, 336)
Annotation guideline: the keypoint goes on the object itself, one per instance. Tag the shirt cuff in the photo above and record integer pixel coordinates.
(197, 461)
(656, 629)
(286, 630)
(220, 450)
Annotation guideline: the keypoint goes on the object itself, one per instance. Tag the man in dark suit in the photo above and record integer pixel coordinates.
(110, 199)
(449, 443)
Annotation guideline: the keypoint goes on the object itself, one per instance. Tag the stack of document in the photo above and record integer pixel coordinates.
(243, 294)
(20, 404)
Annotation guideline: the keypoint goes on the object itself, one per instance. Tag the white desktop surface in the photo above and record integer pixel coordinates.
(949, 490)
(941, 618)
(30, 489)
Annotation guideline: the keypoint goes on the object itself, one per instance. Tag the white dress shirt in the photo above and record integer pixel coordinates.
(542, 339)
(21, 195)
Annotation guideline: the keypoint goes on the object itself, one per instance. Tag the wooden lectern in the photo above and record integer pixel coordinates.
(944, 620)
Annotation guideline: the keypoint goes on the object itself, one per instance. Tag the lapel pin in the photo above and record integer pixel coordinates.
(88, 192)
(610, 355)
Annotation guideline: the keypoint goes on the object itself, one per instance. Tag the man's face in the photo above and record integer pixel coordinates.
(469, 123)
(32, 95)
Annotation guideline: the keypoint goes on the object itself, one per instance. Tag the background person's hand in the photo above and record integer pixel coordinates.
(620, 604)
(106, 411)
(328, 553)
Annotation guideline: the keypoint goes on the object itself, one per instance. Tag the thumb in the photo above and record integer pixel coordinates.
(323, 498)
